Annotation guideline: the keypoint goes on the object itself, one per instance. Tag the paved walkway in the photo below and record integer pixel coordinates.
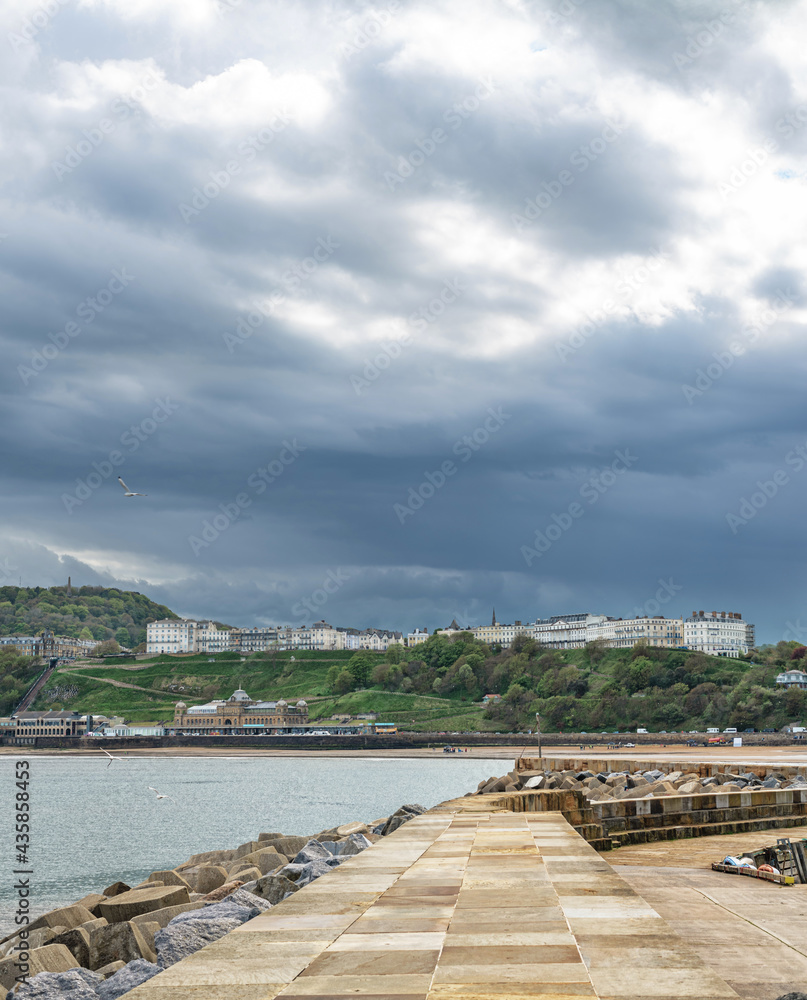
(454, 906)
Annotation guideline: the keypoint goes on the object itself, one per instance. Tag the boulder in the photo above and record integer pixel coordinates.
(584, 775)
(136, 901)
(267, 859)
(168, 878)
(249, 873)
(191, 931)
(243, 897)
(35, 939)
(401, 816)
(207, 858)
(770, 782)
(269, 836)
(122, 941)
(664, 788)
(167, 914)
(313, 851)
(65, 917)
(126, 979)
(569, 784)
(348, 828)
(274, 888)
(111, 969)
(148, 928)
(48, 958)
(674, 776)
(731, 786)
(116, 889)
(287, 845)
(91, 902)
(247, 848)
(77, 984)
(354, 844)
(538, 781)
(77, 941)
(302, 874)
(690, 788)
(210, 877)
(223, 891)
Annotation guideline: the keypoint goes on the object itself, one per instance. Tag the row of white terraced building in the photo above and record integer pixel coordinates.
(718, 633)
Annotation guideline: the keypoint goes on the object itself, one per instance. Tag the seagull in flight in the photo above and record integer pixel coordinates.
(128, 492)
(111, 758)
(158, 794)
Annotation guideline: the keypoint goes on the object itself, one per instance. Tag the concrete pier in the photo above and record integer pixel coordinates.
(458, 904)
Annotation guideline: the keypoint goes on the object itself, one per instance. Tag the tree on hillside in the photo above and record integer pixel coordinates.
(798, 653)
(360, 665)
(107, 648)
(122, 636)
(394, 653)
(344, 682)
(85, 634)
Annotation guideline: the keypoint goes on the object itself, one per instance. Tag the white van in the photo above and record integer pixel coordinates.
(712, 730)
(729, 730)
(638, 731)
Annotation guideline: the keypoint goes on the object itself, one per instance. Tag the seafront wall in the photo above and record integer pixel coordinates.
(402, 741)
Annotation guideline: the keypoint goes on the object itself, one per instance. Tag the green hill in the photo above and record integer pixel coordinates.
(438, 686)
(87, 612)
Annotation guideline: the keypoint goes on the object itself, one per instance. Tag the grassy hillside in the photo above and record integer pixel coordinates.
(438, 686)
(88, 613)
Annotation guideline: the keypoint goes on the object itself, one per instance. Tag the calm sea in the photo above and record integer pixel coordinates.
(92, 824)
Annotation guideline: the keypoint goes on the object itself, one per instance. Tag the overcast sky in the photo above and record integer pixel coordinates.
(398, 312)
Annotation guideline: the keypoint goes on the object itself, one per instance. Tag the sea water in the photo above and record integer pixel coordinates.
(93, 823)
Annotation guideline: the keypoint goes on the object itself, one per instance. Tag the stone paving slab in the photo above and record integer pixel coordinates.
(455, 905)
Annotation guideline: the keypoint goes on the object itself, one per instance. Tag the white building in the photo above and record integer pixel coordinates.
(420, 635)
(567, 631)
(621, 633)
(718, 633)
(792, 679)
(171, 635)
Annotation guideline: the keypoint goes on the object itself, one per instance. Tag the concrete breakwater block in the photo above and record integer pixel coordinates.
(136, 901)
(49, 958)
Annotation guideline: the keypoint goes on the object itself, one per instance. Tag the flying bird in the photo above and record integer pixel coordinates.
(111, 758)
(158, 794)
(128, 492)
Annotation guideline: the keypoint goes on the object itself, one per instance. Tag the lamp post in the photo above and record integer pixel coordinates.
(538, 726)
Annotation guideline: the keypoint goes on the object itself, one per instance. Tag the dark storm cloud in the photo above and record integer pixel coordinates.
(434, 309)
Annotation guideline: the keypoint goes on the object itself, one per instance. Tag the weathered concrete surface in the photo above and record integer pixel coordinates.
(753, 934)
(458, 903)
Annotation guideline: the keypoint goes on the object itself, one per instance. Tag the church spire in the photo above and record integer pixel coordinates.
(493, 621)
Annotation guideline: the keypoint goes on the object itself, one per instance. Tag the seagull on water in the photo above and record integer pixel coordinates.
(111, 758)
(158, 794)
(128, 492)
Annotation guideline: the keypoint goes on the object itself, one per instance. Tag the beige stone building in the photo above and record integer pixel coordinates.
(239, 715)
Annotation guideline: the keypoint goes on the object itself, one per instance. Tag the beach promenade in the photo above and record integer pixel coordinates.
(461, 903)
